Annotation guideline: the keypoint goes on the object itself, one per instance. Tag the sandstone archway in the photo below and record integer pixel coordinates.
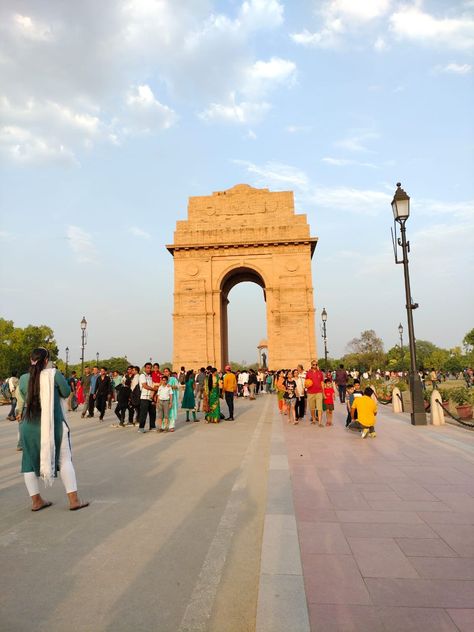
(242, 234)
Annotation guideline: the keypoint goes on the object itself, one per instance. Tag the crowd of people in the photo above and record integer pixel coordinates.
(41, 398)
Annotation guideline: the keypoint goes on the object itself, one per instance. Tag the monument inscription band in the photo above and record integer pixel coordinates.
(242, 234)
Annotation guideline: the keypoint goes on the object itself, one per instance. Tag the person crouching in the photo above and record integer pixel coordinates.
(366, 409)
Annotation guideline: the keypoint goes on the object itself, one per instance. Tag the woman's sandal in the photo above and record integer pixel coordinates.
(80, 506)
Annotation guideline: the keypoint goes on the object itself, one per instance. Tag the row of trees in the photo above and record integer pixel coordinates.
(367, 353)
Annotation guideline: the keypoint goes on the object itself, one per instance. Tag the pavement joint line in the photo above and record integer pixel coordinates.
(281, 596)
(198, 612)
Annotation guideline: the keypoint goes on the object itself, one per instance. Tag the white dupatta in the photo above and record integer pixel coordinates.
(48, 446)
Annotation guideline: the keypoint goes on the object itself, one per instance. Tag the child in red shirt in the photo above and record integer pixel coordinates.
(328, 398)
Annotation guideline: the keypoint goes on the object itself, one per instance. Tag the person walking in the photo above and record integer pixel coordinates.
(189, 401)
(328, 399)
(45, 435)
(93, 384)
(147, 408)
(86, 389)
(341, 382)
(165, 397)
(174, 404)
(214, 414)
(102, 389)
(299, 375)
(230, 390)
(199, 387)
(252, 383)
(72, 381)
(315, 392)
(122, 391)
(12, 387)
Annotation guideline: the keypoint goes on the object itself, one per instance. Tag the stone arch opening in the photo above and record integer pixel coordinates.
(240, 274)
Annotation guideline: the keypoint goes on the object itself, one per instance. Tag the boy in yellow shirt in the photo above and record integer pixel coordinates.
(366, 409)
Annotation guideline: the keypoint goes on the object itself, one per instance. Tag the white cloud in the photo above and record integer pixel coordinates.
(455, 69)
(412, 23)
(339, 17)
(261, 14)
(357, 140)
(234, 112)
(138, 232)
(346, 162)
(81, 244)
(251, 135)
(276, 174)
(365, 202)
(295, 129)
(146, 112)
(23, 147)
(65, 81)
(31, 29)
(380, 44)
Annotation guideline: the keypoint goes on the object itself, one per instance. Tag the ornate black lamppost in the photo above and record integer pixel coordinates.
(67, 360)
(97, 358)
(83, 343)
(401, 212)
(324, 317)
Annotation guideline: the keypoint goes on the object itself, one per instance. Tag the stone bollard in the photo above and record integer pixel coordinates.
(437, 412)
(396, 401)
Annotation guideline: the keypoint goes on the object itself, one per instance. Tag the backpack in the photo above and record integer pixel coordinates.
(5, 391)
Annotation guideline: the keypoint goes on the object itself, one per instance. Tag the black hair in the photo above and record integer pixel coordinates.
(14, 374)
(38, 358)
(209, 379)
(189, 374)
(147, 364)
(368, 391)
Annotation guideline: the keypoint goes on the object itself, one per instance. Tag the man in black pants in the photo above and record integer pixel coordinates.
(102, 390)
(229, 388)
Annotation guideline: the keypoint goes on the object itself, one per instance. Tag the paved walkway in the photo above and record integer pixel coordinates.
(385, 525)
(255, 525)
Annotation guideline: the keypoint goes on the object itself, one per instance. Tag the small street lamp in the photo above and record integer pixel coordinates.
(401, 212)
(324, 317)
(83, 343)
(67, 360)
(400, 331)
(97, 358)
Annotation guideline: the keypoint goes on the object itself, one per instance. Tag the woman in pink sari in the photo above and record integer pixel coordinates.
(80, 393)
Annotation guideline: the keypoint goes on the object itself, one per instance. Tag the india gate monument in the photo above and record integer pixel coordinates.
(242, 234)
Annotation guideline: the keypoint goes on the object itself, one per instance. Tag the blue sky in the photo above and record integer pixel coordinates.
(112, 114)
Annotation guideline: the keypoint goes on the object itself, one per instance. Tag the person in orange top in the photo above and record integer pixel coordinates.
(229, 386)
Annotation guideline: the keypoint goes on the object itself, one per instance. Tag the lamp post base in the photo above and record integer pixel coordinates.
(418, 414)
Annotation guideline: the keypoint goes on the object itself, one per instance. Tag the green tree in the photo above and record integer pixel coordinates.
(468, 340)
(424, 348)
(368, 349)
(18, 342)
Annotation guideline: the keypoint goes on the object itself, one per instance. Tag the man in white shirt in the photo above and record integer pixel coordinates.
(12, 386)
(242, 381)
(147, 405)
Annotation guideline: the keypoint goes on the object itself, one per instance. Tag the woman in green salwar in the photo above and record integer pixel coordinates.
(45, 433)
(189, 401)
(214, 414)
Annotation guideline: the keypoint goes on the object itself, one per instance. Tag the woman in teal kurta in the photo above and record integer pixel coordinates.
(173, 414)
(214, 414)
(44, 431)
(189, 401)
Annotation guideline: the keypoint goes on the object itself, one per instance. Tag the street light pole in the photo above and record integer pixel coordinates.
(400, 331)
(401, 212)
(67, 360)
(324, 317)
(97, 358)
(83, 343)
